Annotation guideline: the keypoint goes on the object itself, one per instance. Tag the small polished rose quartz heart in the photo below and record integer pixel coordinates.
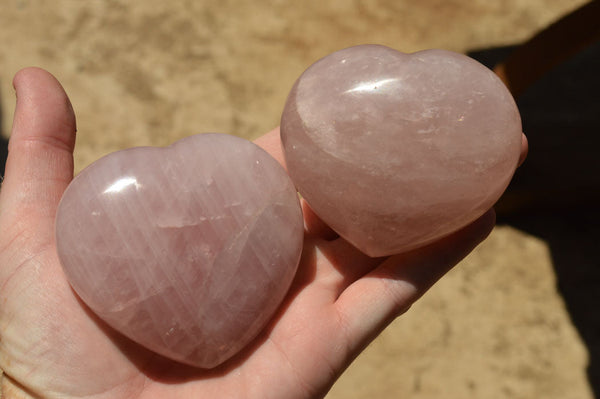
(396, 150)
(187, 250)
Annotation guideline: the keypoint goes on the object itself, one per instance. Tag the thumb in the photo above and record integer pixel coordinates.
(40, 151)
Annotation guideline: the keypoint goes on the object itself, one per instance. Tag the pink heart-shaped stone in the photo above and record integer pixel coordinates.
(396, 150)
(187, 250)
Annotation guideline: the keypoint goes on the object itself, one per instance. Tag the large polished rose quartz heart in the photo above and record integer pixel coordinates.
(396, 150)
(187, 250)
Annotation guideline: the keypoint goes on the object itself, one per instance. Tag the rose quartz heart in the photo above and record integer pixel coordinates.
(396, 150)
(187, 250)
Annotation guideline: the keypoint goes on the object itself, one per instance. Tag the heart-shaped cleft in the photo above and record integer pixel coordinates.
(396, 150)
(187, 250)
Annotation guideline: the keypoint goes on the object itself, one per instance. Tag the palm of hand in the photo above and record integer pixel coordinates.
(52, 346)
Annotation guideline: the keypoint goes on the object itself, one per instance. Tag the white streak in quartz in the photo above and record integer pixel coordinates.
(194, 261)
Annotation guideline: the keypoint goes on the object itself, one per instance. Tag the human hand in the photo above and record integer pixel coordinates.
(52, 346)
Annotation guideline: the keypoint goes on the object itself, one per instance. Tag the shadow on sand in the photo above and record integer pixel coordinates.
(555, 195)
(3, 144)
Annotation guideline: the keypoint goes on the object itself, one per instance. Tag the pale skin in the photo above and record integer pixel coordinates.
(52, 346)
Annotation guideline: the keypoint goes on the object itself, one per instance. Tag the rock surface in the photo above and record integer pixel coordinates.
(187, 250)
(395, 150)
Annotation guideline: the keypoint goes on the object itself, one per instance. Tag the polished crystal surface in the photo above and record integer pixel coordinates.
(395, 150)
(187, 250)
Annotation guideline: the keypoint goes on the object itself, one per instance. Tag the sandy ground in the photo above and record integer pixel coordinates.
(152, 72)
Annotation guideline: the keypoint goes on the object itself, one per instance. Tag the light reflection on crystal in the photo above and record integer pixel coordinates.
(121, 184)
(372, 86)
